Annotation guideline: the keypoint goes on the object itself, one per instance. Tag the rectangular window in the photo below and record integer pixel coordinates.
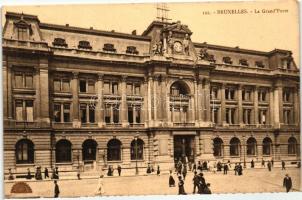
(107, 114)
(115, 114)
(129, 89)
(227, 116)
(83, 86)
(57, 85)
(130, 115)
(57, 112)
(107, 88)
(22, 34)
(18, 80)
(29, 111)
(114, 88)
(137, 115)
(91, 114)
(137, 89)
(65, 85)
(83, 113)
(215, 115)
(91, 88)
(232, 116)
(66, 112)
(19, 110)
(28, 81)
(214, 93)
(286, 96)
(262, 117)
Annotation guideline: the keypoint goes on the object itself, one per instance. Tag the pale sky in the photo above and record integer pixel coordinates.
(262, 31)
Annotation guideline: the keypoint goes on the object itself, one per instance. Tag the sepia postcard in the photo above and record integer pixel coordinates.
(151, 99)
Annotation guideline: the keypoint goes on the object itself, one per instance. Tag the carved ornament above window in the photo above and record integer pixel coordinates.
(243, 62)
(59, 42)
(131, 50)
(84, 45)
(259, 64)
(227, 60)
(109, 47)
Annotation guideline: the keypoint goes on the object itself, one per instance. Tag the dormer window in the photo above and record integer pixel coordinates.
(23, 29)
(131, 50)
(259, 64)
(243, 62)
(60, 42)
(286, 63)
(227, 60)
(109, 47)
(84, 45)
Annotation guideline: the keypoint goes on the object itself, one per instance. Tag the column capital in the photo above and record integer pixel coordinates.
(156, 77)
(223, 85)
(100, 77)
(240, 86)
(124, 78)
(75, 75)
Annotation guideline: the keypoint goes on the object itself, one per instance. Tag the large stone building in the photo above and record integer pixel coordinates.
(85, 98)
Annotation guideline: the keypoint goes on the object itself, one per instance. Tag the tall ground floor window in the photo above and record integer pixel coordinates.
(137, 149)
(251, 146)
(24, 151)
(114, 150)
(266, 146)
(218, 147)
(292, 146)
(234, 147)
(63, 151)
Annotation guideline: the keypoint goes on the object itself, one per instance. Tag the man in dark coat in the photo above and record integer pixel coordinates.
(119, 170)
(195, 182)
(240, 169)
(252, 164)
(272, 162)
(57, 172)
(207, 189)
(202, 184)
(158, 171)
(57, 190)
(194, 167)
(283, 165)
(46, 175)
(171, 180)
(269, 166)
(236, 169)
(184, 171)
(225, 169)
(287, 183)
(263, 163)
(148, 169)
(28, 174)
(181, 186)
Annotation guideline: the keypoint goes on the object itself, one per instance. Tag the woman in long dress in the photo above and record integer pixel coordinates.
(100, 188)
(171, 180)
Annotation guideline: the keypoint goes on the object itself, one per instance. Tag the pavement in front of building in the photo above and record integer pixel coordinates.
(253, 180)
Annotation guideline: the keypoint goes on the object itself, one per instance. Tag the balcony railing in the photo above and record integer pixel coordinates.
(113, 125)
(137, 125)
(61, 124)
(183, 124)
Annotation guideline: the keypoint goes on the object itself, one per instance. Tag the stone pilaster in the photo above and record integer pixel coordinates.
(296, 103)
(156, 99)
(75, 100)
(38, 105)
(100, 102)
(222, 96)
(271, 107)
(240, 110)
(256, 121)
(124, 107)
(163, 103)
(5, 87)
(145, 111)
(207, 100)
(150, 101)
(44, 92)
(200, 102)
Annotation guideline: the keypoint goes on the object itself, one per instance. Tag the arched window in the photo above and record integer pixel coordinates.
(89, 150)
(179, 88)
(234, 147)
(251, 146)
(218, 147)
(24, 151)
(266, 146)
(137, 149)
(63, 151)
(114, 150)
(292, 146)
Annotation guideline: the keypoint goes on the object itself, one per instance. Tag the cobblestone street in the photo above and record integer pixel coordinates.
(253, 180)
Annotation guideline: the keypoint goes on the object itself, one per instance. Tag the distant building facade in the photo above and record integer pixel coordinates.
(84, 98)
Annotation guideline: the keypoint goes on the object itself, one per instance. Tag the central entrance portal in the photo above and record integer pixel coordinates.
(184, 148)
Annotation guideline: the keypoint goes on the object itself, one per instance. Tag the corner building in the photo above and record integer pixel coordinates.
(85, 98)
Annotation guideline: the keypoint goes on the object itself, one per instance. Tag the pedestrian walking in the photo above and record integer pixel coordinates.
(28, 176)
(171, 180)
(195, 182)
(283, 165)
(46, 173)
(119, 170)
(240, 169)
(194, 167)
(100, 187)
(236, 169)
(148, 169)
(272, 162)
(184, 171)
(57, 172)
(287, 182)
(269, 166)
(57, 190)
(263, 163)
(199, 167)
(181, 186)
(158, 171)
(202, 184)
(252, 164)
(225, 169)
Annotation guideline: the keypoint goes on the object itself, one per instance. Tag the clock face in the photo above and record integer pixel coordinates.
(177, 46)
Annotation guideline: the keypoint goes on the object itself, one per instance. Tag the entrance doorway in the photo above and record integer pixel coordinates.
(184, 148)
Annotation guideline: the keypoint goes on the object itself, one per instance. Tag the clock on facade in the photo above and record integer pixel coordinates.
(177, 46)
